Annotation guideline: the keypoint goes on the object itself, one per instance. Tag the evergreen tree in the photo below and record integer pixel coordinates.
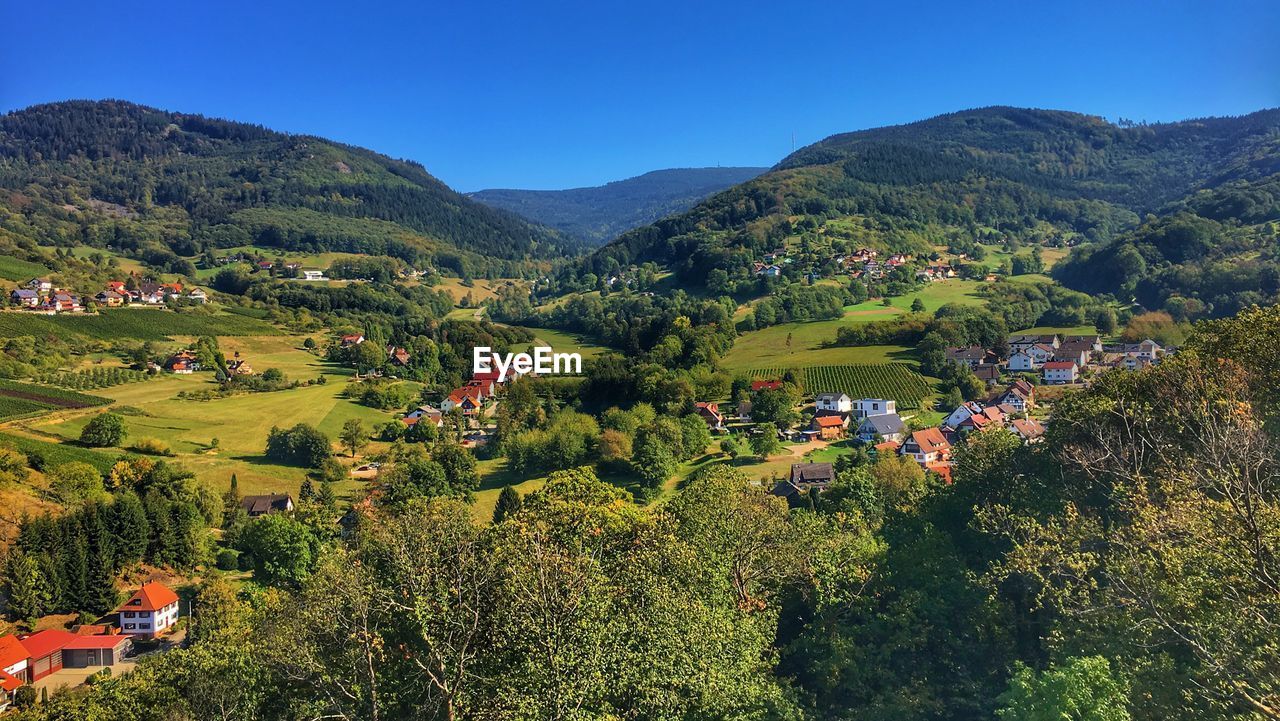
(28, 592)
(509, 503)
(132, 531)
(307, 491)
(162, 549)
(75, 570)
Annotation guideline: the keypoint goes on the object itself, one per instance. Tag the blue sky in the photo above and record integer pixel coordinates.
(564, 94)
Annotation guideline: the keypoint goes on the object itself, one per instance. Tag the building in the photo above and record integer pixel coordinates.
(1025, 342)
(313, 275)
(886, 427)
(62, 303)
(1020, 395)
(710, 412)
(255, 506)
(398, 356)
(432, 416)
(40, 285)
(829, 428)
(864, 407)
(804, 477)
(838, 402)
(971, 357)
(45, 649)
(1028, 429)
(149, 612)
(14, 659)
(927, 446)
(88, 651)
(1059, 372)
(25, 297)
(1021, 361)
(989, 373)
(771, 385)
(468, 399)
(350, 340)
(198, 296)
(961, 414)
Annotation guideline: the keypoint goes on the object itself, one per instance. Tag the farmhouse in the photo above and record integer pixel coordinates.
(1028, 429)
(40, 285)
(710, 412)
(109, 298)
(970, 357)
(62, 303)
(804, 477)
(25, 297)
(771, 385)
(433, 416)
(255, 506)
(198, 296)
(927, 446)
(149, 612)
(353, 339)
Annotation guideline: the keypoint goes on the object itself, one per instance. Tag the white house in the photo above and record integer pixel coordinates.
(864, 407)
(1041, 353)
(838, 402)
(1021, 361)
(40, 285)
(150, 611)
(962, 414)
(1059, 372)
(313, 275)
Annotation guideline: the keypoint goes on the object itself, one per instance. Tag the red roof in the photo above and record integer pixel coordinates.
(930, 440)
(153, 596)
(1059, 365)
(43, 643)
(83, 642)
(828, 421)
(765, 385)
(486, 376)
(9, 683)
(12, 651)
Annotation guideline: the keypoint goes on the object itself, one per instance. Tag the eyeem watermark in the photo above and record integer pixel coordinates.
(543, 362)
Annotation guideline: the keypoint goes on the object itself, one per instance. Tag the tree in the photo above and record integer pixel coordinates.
(283, 549)
(301, 445)
(765, 442)
(130, 527)
(508, 504)
(917, 306)
(1083, 689)
(75, 482)
(615, 446)
(105, 429)
(459, 466)
(695, 436)
(27, 588)
(1105, 321)
(354, 436)
(653, 461)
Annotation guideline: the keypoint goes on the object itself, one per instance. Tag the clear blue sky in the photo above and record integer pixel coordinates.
(561, 94)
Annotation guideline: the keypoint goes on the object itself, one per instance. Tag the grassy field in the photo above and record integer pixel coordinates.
(239, 423)
(563, 342)
(933, 295)
(18, 400)
(136, 323)
(19, 270)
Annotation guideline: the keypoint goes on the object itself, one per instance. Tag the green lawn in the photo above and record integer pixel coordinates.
(563, 342)
(20, 270)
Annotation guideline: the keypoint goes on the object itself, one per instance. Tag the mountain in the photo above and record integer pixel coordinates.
(166, 187)
(601, 213)
(989, 175)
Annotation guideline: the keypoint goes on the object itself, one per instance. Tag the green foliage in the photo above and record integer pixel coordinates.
(1083, 689)
(104, 429)
(300, 445)
(284, 550)
(111, 325)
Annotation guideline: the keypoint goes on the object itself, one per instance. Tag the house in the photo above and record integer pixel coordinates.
(744, 409)
(255, 506)
(13, 668)
(864, 407)
(927, 446)
(90, 651)
(1041, 353)
(987, 418)
(62, 303)
(771, 385)
(40, 285)
(198, 296)
(313, 275)
(838, 402)
(150, 293)
(398, 356)
(1059, 372)
(886, 426)
(469, 399)
(433, 416)
(1021, 361)
(829, 428)
(350, 340)
(1094, 342)
(804, 477)
(149, 612)
(25, 297)
(109, 298)
(1028, 429)
(970, 357)
(1025, 342)
(770, 271)
(710, 412)
(1078, 352)
(961, 414)
(1147, 350)
(265, 265)
(240, 367)
(1020, 395)
(988, 373)
(183, 363)
(45, 648)
(117, 286)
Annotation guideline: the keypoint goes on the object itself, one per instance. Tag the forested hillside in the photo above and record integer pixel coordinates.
(1046, 177)
(166, 187)
(601, 213)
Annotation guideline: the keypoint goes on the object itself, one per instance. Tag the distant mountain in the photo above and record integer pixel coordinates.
(986, 175)
(601, 213)
(168, 187)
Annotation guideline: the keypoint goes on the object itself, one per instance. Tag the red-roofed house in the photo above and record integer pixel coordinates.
(1059, 372)
(45, 648)
(828, 427)
(14, 659)
(927, 446)
(150, 611)
(468, 399)
(765, 385)
(710, 412)
(86, 651)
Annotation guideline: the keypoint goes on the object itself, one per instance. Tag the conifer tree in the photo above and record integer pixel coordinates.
(509, 503)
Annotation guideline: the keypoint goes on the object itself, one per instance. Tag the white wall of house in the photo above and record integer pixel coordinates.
(864, 407)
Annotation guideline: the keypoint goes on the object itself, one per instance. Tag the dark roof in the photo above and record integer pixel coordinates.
(809, 473)
(257, 505)
(885, 423)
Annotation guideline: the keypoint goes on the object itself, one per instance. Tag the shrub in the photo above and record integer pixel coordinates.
(228, 560)
(106, 429)
(151, 446)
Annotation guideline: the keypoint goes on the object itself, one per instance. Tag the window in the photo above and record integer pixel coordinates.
(128, 614)
(130, 626)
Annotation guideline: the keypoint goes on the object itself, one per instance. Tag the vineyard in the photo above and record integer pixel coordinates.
(139, 324)
(23, 399)
(45, 454)
(92, 378)
(886, 380)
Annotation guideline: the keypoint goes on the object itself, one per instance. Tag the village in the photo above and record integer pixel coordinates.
(41, 295)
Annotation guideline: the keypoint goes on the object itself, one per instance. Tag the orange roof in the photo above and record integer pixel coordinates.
(11, 651)
(1059, 365)
(930, 440)
(9, 683)
(828, 421)
(887, 446)
(153, 596)
(942, 468)
(43, 643)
